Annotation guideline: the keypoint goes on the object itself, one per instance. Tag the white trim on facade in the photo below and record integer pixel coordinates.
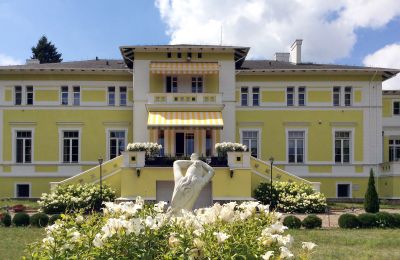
(61, 130)
(350, 189)
(22, 183)
(305, 155)
(108, 131)
(259, 136)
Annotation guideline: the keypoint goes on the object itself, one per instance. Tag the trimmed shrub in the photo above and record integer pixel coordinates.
(6, 220)
(39, 220)
(396, 220)
(72, 198)
(371, 199)
(292, 222)
(312, 221)
(21, 219)
(54, 218)
(367, 220)
(291, 197)
(348, 221)
(384, 219)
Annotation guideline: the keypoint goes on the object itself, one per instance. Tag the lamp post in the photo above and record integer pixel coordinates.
(271, 160)
(101, 179)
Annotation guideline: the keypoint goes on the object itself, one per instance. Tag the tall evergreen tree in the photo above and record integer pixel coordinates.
(371, 199)
(45, 51)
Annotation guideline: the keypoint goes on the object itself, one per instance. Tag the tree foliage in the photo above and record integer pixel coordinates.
(45, 51)
(371, 199)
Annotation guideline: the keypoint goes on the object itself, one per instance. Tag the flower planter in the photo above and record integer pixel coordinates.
(134, 158)
(238, 160)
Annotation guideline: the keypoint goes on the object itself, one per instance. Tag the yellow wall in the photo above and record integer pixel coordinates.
(389, 186)
(273, 96)
(386, 148)
(387, 109)
(358, 96)
(319, 96)
(8, 95)
(38, 185)
(93, 96)
(47, 95)
(320, 168)
(310, 77)
(92, 77)
(328, 185)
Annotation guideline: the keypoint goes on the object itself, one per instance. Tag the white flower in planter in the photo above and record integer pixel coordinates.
(267, 255)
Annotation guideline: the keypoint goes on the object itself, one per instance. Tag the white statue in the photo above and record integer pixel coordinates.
(187, 188)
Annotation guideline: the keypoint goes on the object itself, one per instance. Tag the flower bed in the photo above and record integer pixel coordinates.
(135, 231)
(151, 149)
(223, 148)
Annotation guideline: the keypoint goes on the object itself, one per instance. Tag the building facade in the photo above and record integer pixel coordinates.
(327, 124)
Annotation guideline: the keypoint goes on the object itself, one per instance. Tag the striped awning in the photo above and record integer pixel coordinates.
(184, 67)
(185, 119)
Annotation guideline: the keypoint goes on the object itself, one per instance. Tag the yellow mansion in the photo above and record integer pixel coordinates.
(326, 125)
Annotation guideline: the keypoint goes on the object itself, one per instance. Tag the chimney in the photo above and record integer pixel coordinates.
(32, 61)
(295, 52)
(282, 56)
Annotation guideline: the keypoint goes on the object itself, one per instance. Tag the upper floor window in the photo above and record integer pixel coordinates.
(169, 55)
(336, 96)
(111, 96)
(244, 96)
(199, 55)
(302, 96)
(189, 55)
(29, 95)
(396, 108)
(122, 96)
(290, 96)
(18, 95)
(394, 150)
(23, 147)
(296, 146)
(64, 95)
(342, 146)
(256, 96)
(172, 84)
(197, 84)
(77, 95)
(161, 139)
(348, 96)
(70, 146)
(179, 55)
(209, 141)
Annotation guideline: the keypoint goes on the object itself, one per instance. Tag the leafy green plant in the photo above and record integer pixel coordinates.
(384, 219)
(6, 219)
(292, 222)
(396, 220)
(371, 199)
(39, 220)
(54, 218)
(21, 219)
(367, 220)
(348, 221)
(312, 221)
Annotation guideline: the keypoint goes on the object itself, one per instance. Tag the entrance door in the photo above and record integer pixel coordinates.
(179, 144)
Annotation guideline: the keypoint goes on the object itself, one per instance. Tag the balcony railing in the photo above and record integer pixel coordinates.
(391, 168)
(168, 161)
(184, 98)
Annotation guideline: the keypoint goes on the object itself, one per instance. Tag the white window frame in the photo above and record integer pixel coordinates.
(340, 96)
(22, 95)
(305, 130)
(61, 144)
(26, 95)
(351, 96)
(241, 130)
(108, 131)
(351, 130)
(350, 189)
(108, 96)
(195, 136)
(252, 96)
(73, 95)
(14, 143)
(177, 83)
(297, 93)
(119, 96)
(69, 95)
(197, 82)
(394, 101)
(294, 96)
(22, 183)
(394, 145)
(247, 99)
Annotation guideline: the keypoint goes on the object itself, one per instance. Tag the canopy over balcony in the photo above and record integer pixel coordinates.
(185, 120)
(184, 67)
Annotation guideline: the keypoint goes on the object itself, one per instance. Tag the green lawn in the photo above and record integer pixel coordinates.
(13, 241)
(341, 206)
(27, 203)
(351, 244)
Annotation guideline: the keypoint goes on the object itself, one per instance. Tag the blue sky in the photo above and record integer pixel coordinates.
(336, 32)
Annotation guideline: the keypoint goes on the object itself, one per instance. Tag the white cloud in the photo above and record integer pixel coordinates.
(387, 57)
(269, 26)
(8, 60)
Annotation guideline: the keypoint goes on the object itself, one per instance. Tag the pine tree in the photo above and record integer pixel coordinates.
(45, 51)
(371, 199)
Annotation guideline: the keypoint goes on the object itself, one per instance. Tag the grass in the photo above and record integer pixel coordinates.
(341, 206)
(13, 241)
(10, 202)
(351, 244)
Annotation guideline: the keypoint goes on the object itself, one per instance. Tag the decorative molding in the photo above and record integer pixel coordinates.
(70, 123)
(345, 124)
(296, 123)
(22, 123)
(122, 123)
(246, 124)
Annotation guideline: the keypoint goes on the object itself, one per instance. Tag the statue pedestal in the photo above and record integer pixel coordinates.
(134, 159)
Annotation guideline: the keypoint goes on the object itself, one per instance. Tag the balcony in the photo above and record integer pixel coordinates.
(391, 168)
(168, 161)
(185, 98)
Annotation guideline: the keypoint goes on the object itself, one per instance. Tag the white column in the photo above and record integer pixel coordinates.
(141, 85)
(227, 88)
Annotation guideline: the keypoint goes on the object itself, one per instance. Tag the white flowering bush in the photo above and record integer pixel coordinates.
(223, 148)
(66, 198)
(151, 149)
(132, 230)
(291, 197)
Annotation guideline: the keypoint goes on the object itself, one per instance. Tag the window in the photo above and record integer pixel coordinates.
(169, 55)
(347, 96)
(64, 95)
(22, 190)
(197, 84)
(290, 96)
(256, 96)
(172, 84)
(302, 96)
(250, 139)
(396, 108)
(161, 141)
(70, 146)
(189, 143)
(24, 147)
(122, 96)
(77, 96)
(111, 96)
(117, 143)
(336, 96)
(209, 146)
(343, 190)
(18, 95)
(179, 55)
(296, 146)
(29, 95)
(394, 150)
(244, 96)
(189, 55)
(342, 147)
(199, 55)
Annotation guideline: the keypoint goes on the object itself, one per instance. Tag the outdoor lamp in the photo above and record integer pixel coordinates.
(271, 160)
(101, 178)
